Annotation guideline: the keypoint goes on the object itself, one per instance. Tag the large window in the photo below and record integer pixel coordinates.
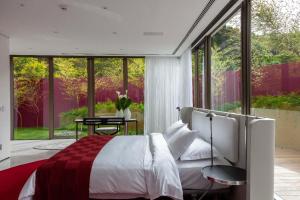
(275, 42)
(275, 60)
(226, 66)
(70, 94)
(108, 80)
(70, 82)
(30, 98)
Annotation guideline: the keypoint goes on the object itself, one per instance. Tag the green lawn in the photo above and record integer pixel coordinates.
(31, 133)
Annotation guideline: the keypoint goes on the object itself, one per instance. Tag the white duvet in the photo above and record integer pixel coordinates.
(129, 167)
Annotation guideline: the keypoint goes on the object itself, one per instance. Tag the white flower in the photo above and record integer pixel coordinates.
(118, 93)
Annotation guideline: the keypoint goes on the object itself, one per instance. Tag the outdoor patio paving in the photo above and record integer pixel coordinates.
(287, 174)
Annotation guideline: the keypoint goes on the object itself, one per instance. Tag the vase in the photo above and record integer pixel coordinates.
(127, 114)
(119, 113)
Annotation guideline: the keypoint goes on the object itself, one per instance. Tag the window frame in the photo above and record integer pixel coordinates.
(91, 84)
(205, 38)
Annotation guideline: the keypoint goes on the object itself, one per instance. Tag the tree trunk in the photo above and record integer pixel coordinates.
(20, 117)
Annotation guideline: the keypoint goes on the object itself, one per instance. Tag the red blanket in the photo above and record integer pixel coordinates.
(66, 176)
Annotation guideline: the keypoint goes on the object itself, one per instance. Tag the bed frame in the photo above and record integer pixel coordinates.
(252, 148)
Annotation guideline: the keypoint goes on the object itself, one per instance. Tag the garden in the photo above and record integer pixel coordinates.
(31, 92)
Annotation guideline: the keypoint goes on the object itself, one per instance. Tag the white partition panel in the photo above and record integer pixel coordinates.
(260, 159)
(5, 115)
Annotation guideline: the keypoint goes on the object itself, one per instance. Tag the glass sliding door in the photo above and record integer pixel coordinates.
(136, 70)
(31, 90)
(275, 72)
(70, 95)
(108, 80)
(226, 66)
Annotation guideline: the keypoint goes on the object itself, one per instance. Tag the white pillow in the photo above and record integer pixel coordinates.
(172, 129)
(180, 141)
(199, 149)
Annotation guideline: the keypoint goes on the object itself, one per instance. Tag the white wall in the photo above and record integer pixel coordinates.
(5, 115)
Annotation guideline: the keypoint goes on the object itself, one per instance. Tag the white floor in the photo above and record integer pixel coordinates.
(23, 151)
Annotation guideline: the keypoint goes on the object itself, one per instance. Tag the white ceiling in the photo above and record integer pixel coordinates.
(101, 27)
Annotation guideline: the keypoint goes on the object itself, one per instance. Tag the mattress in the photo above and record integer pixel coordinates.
(191, 176)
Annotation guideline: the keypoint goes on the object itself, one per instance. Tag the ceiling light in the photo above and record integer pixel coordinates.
(150, 33)
(63, 7)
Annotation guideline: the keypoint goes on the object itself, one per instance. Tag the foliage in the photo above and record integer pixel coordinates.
(29, 74)
(285, 102)
(226, 52)
(229, 107)
(275, 32)
(72, 72)
(275, 35)
(123, 101)
(108, 73)
(136, 70)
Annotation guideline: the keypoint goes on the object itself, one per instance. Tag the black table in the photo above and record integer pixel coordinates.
(226, 175)
(80, 121)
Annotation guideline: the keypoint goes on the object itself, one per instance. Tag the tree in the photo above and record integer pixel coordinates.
(29, 74)
(108, 73)
(226, 52)
(275, 35)
(136, 70)
(72, 72)
(275, 32)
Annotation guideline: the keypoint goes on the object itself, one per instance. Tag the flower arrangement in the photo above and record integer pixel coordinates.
(123, 101)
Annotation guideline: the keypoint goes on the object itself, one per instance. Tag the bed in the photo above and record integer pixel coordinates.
(129, 167)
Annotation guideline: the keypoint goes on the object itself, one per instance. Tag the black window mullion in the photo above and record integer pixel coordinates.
(51, 97)
(246, 56)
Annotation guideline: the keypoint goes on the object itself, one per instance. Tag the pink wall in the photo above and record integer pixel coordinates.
(276, 79)
(63, 103)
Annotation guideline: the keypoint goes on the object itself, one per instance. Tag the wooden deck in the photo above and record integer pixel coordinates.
(287, 174)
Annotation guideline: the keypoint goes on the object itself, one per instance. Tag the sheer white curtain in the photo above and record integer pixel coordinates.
(168, 84)
(186, 80)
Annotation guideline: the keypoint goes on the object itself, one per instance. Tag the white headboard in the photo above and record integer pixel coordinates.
(225, 133)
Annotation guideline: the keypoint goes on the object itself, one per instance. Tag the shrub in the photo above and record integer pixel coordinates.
(285, 102)
(229, 107)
